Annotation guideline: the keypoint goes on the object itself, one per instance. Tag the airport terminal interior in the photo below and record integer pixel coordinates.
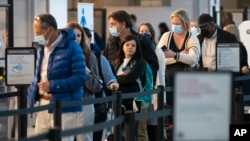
(16, 30)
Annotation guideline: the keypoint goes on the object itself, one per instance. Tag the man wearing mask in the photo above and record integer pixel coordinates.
(60, 74)
(120, 26)
(209, 36)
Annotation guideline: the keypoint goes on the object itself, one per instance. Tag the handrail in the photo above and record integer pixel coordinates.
(116, 122)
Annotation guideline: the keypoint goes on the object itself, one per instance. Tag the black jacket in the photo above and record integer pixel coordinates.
(222, 36)
(146, 48)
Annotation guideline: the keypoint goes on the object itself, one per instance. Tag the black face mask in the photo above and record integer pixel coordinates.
(205, 33)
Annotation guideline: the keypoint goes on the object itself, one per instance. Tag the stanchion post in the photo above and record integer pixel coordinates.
(58, 119)
(129, 125)
(118, 112)
(160, 120)
(22, 119)
(239, 107)
(55, 134)
(245, 13)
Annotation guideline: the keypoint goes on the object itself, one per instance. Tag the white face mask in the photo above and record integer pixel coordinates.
(195, 31)
(113, 31)
(41, 40)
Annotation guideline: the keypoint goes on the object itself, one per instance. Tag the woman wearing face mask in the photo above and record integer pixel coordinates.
(181, 48)
(149, 128)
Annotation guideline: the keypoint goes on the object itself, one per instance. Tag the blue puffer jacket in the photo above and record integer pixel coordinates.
(66, 72)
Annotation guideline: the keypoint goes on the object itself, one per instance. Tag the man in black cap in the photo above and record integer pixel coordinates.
(209, 36)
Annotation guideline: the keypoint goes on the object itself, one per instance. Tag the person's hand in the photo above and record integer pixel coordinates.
(244, 69)
(169, 53)
(44, 86)
(114, 86)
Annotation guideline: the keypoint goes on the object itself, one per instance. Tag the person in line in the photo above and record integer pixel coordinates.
(148, 130)
(129, 67)
(243, 52)
(134, 19)
(120, 26)
(60, 73)
(194, 28)
(108, 78)
(92, 83)
(227, 20)
(181, 48)
(210, 34)
(163, 27)
(244, 85)
(88, 40)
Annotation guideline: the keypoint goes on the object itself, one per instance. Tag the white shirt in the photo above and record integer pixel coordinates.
(44, 65)
(209, 52)
(125, 63)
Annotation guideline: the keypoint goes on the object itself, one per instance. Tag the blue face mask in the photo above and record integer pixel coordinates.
(176, 29)
(113, 31)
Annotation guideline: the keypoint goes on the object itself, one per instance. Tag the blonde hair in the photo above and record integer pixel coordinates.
(182, 14)
(232, 28)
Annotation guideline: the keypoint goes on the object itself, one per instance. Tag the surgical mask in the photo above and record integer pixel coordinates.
(113, 31)
(41, 40)
(176, 29)
(195, 31)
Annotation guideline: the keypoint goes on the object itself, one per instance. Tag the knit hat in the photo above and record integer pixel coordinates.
(204, 18)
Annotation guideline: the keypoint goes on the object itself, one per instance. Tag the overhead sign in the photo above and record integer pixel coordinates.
(202, 106)
(20, 65)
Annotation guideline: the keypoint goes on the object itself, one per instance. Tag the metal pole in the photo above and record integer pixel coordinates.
(118, 112)
(160, 120)
(22, 119)
(239, 107)
(58, 118)
(245, 13)
(55, 134)
(129, 125)
(214, 15)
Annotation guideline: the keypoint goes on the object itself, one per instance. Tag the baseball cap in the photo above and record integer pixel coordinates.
(204, 18)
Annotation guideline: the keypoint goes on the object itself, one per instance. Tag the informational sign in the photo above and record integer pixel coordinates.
(202, 106)
(85, 15)
(20, 65)
(244, 29)
(228, 57)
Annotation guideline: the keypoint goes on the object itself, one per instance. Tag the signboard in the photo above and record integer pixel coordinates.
(202, 106)
(228, 57)
(85, 16)
(20, 65)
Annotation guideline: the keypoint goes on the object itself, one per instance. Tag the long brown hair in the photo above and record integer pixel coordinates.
(85, 48)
